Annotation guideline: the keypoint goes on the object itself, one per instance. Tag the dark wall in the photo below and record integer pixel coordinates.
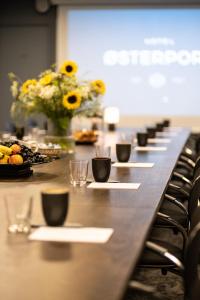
(27, 46)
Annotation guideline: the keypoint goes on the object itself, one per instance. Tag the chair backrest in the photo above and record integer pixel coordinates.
(191, 278)
(194, 197)
(196, 171)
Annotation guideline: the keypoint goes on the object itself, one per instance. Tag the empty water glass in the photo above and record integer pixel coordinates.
(78, 172)
(102, 151)
(18, 210)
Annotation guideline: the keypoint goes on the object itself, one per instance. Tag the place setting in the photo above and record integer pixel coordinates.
(55, 203)
(101, 169)
(143, 142)
(123, 154)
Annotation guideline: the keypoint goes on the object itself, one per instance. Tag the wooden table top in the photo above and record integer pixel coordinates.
(49, 271)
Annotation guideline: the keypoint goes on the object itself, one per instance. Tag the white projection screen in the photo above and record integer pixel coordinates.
(149, 58)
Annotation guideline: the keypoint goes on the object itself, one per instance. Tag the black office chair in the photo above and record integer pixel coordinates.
(191, 276)
(175, 208)
(188, 269)
(150, 259)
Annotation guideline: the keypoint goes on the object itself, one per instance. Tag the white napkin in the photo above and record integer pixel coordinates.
(166, 134)
(109, 185)
(64, 234)
(159, 140)
(150, 148)
(132, 165)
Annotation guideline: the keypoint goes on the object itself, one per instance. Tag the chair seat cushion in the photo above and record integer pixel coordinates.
(152, 259)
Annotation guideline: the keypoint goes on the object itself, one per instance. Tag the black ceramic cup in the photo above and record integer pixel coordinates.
(123, 152)
(159, 127)
(19, 132)
(142, 138)
(55, 202)
(101, 167)
(166, 123)
(151, 131)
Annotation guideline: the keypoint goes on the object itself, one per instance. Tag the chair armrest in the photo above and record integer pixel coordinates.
(188, 151)
(179, 189)
(179, 227)
(189, 161)
(182, 177)
(182, 164)
(164, 252)
(177, 203)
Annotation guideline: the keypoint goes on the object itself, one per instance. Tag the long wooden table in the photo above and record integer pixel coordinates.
(75, 271)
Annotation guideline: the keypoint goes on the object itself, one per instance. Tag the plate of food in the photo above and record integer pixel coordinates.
(85, 137)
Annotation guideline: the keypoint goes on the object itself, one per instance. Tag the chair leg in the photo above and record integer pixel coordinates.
(164, 271)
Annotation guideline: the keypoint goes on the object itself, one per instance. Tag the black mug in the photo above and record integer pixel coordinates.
(123, 152)
(19, 132)
(101, 167)
(159, 127)
(55, 202)
(166, 123)
(142, 138)
(151, 131)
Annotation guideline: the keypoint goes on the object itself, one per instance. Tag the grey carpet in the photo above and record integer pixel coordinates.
(168, 287)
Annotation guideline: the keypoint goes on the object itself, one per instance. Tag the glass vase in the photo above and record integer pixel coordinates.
(60, 135)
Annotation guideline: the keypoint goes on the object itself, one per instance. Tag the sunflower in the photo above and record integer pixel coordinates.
(99, 86)
(45, 80)
(69, 68)
(72, 100)
(26, 84)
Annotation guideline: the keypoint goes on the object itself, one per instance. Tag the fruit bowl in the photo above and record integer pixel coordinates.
(15, 171)
(16, 160)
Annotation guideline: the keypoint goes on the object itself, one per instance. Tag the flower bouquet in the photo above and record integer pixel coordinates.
(59, 95)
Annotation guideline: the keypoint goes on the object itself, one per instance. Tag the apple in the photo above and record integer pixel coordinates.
(16, 159)
(15, 148)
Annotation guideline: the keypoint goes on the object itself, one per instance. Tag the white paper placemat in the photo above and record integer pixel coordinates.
(150, 148)
(132, 165)
(109, 185)
(64, 234)
(159, 140)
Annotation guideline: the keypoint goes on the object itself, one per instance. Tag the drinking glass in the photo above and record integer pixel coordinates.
(18, 210)
(126, 138)
(102, 151)
(78, 172)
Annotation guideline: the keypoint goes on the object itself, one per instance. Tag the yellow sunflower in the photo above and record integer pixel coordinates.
(69, 68)
(72, 100)
(99, 86)
(45, 80)
(26, 84)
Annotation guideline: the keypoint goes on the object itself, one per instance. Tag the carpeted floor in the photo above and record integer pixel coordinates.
(168, 287)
